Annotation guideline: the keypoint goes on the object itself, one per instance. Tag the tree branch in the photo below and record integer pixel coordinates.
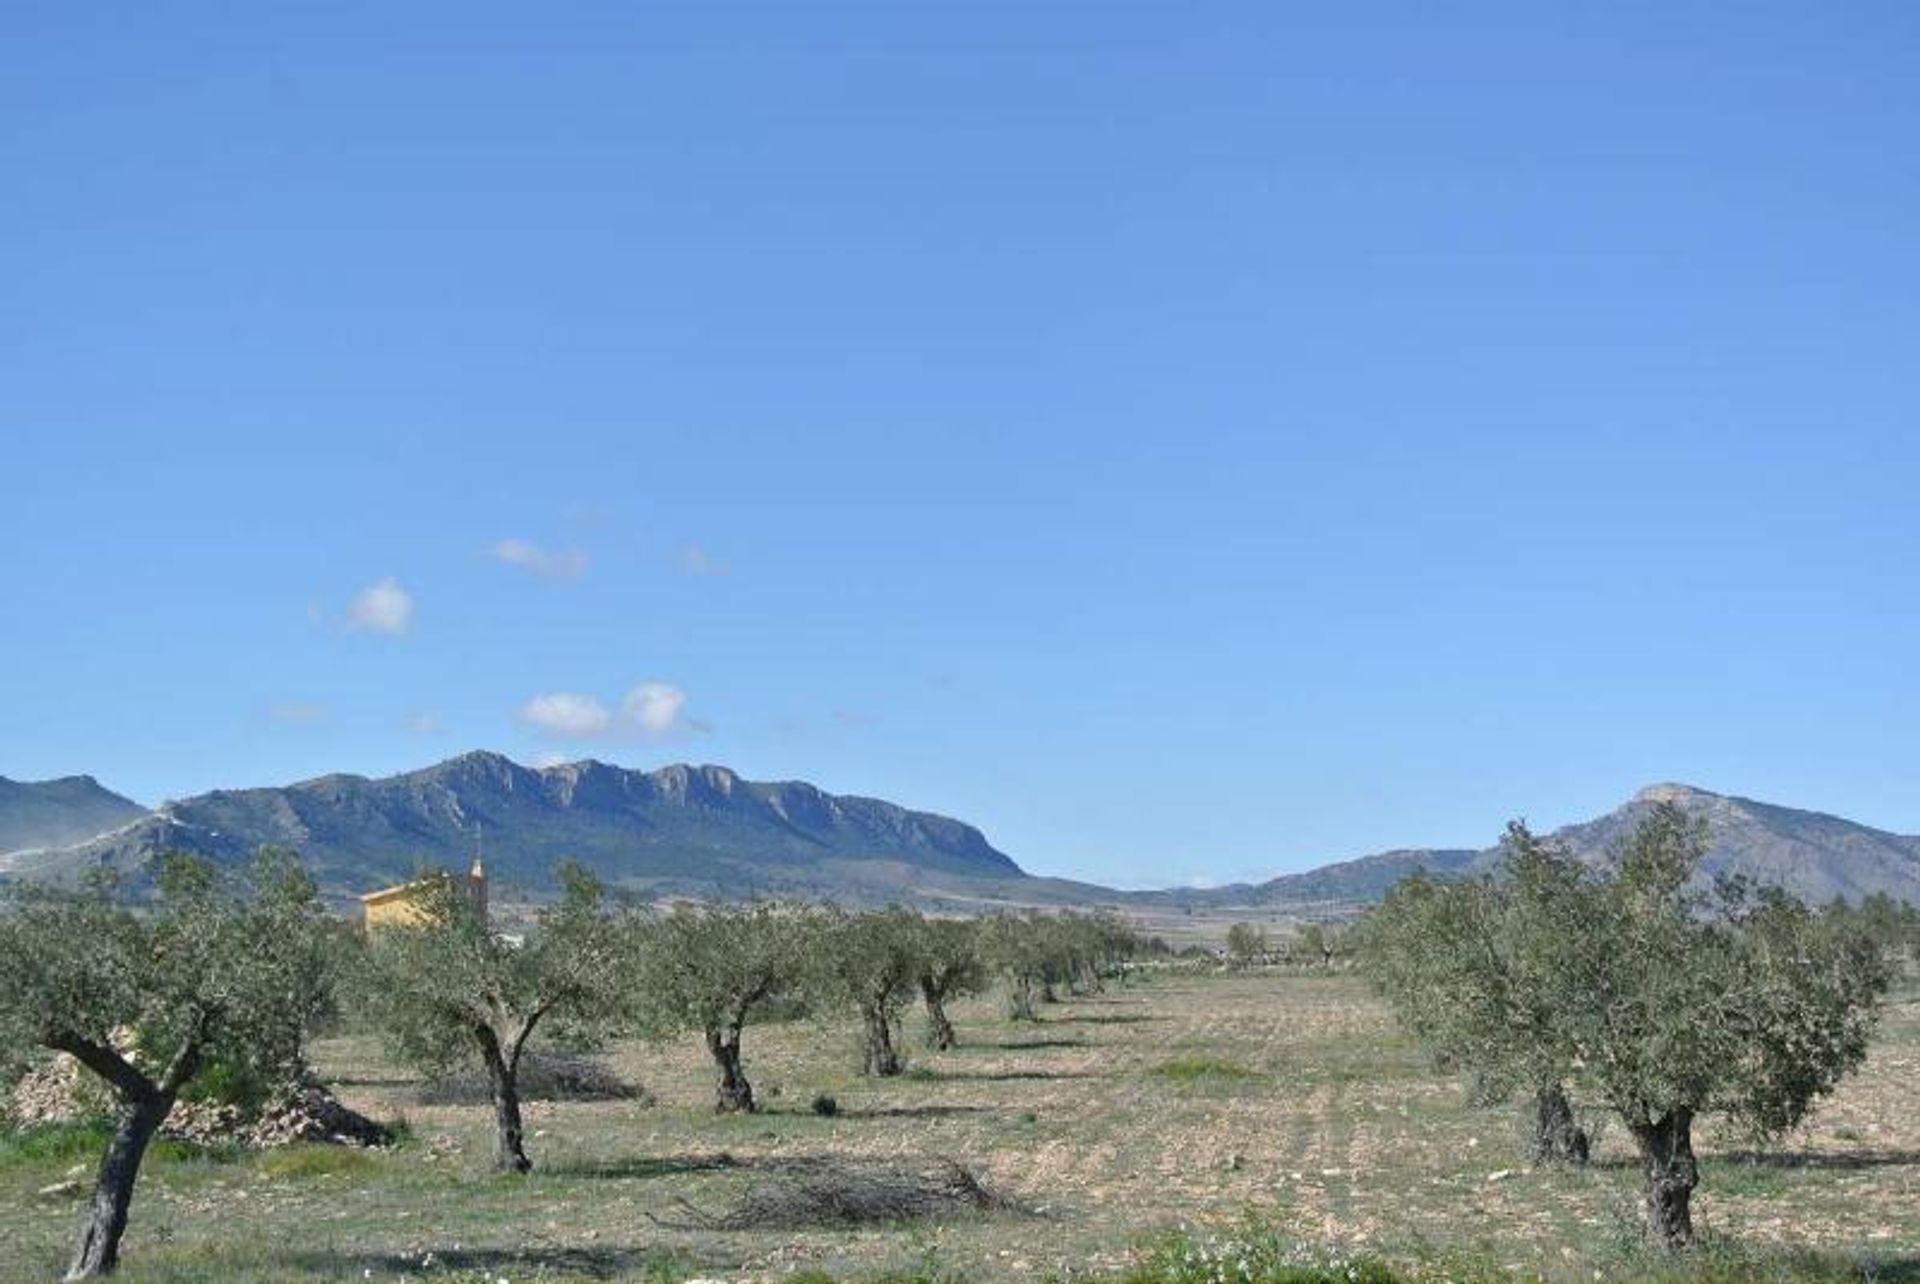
(526, 1032)
(103, 1060)
(186, 1058)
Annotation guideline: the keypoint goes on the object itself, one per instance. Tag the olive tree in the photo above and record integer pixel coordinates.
(1115, 943)
(950, 965)
(1016, 946)
(870, 962)
(1666, 1000)
(707, 969)
(1318, 942)
(219, 968)
(1246, 944)
(1454, 960)
(447, 989)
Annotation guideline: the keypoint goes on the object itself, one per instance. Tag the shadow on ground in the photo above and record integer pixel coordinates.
(1821, 1160)
(1115, 1018)
(642, 1167)
(1838, 1160)
(999, 1076)
(600, 1262)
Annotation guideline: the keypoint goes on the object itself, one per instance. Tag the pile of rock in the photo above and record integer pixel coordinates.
(304, 1110)
(57, 1090)
(308, 1111)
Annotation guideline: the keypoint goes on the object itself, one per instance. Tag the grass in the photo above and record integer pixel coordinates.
(300, 1163)
(1195, 1068)
(52, 1143)
(1197, 1101)
(35, 1148)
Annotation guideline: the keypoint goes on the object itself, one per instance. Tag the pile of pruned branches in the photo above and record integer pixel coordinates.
(834, 1191)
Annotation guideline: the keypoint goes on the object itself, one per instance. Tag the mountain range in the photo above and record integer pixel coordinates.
(703, 830)
(681, 829)
(55, 813)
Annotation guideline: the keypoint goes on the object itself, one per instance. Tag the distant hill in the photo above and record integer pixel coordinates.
(682, 829)
(1813, 855)
(56, 813)
(1348, 882)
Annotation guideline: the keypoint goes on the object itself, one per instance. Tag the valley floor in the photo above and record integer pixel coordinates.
(1186, 1098)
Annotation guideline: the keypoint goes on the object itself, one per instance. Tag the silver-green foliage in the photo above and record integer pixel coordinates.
(708, 969)
(1663, 999)
(870, 962)
(449, 989)
(219, 969)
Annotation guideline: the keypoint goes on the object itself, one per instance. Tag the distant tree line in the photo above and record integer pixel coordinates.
(1311, 943)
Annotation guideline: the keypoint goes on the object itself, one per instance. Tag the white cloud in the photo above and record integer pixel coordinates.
(649, 709)
(654, 707)
(382, 607)
(697, 559)
(568, 713)
(547, 563)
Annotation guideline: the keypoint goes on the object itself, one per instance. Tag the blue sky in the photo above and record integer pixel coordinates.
(1188, 441)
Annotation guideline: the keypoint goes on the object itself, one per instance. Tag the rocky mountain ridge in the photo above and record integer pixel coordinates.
(704, 830)
(681, 828)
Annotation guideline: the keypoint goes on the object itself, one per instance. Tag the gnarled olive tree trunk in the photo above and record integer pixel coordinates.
(1666, 1157)
(1557, 1136)
(1020, 998)
(503, 1076)
(940, 1036)
(105, 1220)
(144, 1106)
(881, 1059)
(735, 1094)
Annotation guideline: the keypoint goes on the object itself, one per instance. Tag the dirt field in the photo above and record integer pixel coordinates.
(1186, 1098)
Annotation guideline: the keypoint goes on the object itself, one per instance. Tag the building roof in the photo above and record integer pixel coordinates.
(395, 892)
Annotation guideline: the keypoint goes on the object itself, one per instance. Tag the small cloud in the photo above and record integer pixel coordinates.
(547, 563)
(425, 722)
(544, 760)
(697, 559)
(567, 713)
(381, 607)
(654, 707)
(294, 713)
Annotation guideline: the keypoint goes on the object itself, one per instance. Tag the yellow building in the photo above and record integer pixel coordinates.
(410, 904)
